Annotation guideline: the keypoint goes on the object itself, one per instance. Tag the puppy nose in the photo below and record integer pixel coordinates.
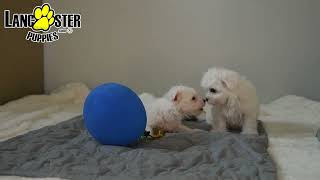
(205, 99)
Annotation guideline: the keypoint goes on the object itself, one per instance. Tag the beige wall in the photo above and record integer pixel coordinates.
(21, 61)
(153, 44)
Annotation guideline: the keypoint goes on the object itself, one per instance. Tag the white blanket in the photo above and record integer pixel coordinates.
(291, 123)
(36, 111)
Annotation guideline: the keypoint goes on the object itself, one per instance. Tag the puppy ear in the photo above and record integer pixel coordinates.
(230, 81)
(233, 105)
(225, 85)
(177, 97)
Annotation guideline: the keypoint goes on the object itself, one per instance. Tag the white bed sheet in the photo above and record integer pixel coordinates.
(290, 121)
(292, 125)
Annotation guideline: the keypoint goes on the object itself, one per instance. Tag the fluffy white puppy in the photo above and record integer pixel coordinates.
(167, 113)
(232, 99)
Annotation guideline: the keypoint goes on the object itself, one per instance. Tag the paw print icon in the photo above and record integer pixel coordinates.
(44, 18)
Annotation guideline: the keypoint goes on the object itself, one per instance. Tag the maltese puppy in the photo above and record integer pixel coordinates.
(232, 100)
(167, 113)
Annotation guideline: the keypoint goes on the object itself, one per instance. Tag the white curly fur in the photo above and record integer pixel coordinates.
(232, 99)
(167, 112)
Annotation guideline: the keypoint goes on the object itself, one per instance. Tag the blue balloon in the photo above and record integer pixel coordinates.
(114, 115)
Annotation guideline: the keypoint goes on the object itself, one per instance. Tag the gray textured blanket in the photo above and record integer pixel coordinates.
(67, 151)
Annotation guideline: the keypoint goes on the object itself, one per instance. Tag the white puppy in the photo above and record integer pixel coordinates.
(232, 99)
(167, 113)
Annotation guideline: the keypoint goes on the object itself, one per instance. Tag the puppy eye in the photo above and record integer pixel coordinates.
(212, 90)
(193, 98)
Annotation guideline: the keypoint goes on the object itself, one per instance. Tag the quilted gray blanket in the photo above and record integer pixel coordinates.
(67, 151)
